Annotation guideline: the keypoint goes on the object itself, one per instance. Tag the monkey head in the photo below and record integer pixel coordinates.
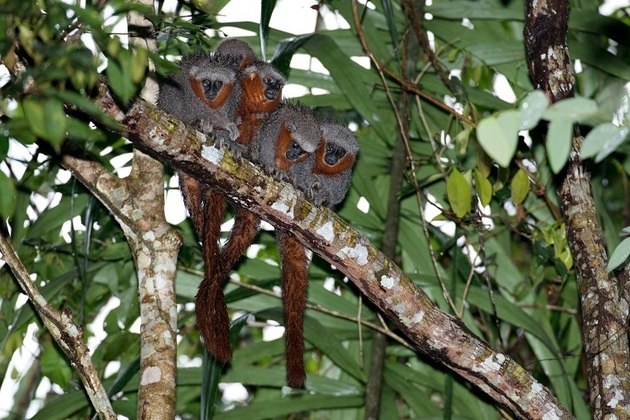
(205, 93)
(262, 87)
(286, 140)
(237, 52)
(334, 158)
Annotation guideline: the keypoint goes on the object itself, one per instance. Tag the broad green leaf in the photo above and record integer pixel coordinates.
(483, 187)
(559, 135)
(459, 193)
(532, 109)
(53, 218)
(139, 62)
(282, 407)
(332, 347)
(519, 187)
(571, 109)
(603, 140)
(63, 406)
(266, 10)
(119, 76)
(4, 145)
(498, 136)
(55, 367)
(8, 195)
(619, 255)
(46, 118)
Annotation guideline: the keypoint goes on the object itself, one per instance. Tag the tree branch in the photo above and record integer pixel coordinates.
(604, 302)
(438, 336)
(66, 333)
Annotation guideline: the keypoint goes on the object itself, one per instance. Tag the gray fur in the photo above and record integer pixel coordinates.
(305, 133)
(332, 189)
(237, 52)
(178, 98)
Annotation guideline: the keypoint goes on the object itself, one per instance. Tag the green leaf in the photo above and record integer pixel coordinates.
(498, 136)
(120, 78)
(572, 109)
(532, 109)
(46, 118)
(619, 255)
(484, 187)
(559, 135)
(603, 140)
(459, 193)
(266, 10)
(8, 195)
(331, 346)
(4, 145)
(519, 187)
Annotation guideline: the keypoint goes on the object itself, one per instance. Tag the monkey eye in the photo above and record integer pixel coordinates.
(268, 80)
(333, 154)
(294, 151)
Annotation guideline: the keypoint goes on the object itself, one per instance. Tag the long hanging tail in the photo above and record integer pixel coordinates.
(210, 308)
(243, 233)
(294, 289)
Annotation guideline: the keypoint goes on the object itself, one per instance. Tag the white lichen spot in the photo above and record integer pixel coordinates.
(282, 208)
(388, 282)
(611, 381)
(137, 214)
(417, 318)
(400, 308)
(536, 388)
(614, 402)
(151, 375)
(359, 253)
(149, 236)
(490, 364)
(326, 231)
(543, 56)
(551, 415)
(211, 154)
(72, 331)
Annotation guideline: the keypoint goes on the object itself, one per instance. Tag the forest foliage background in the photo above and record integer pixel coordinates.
(479, 227)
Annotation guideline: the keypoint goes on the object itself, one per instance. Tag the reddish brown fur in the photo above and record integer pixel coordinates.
(192, 194)
(321, 167)
(197, 87)
(210, 308)
(243, 233)
(282, 145)
(294, 290)
(253, 103)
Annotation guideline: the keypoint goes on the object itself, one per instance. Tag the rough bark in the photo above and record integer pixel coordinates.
(603, 299)
(66, 333)
(438, 336)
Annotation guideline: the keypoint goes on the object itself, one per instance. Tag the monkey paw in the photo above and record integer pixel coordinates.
(232, 129)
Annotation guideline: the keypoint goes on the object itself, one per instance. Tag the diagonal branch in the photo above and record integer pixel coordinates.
(438, 336)
(66, 333)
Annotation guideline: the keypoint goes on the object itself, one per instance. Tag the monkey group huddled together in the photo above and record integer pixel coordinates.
(237, 98)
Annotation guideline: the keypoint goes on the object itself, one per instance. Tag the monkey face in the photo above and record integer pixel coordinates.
(336, 153)
(211, 88)
(262, 87)
(272, 87)
(333, 154)
(212, 84)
